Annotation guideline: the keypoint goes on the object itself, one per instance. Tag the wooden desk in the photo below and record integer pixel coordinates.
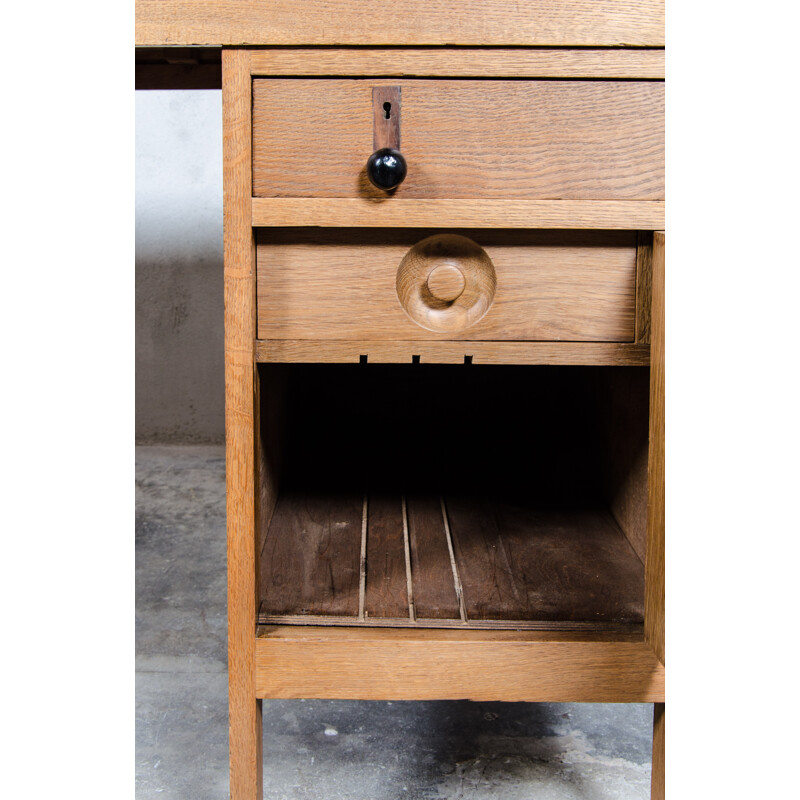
(433, 491)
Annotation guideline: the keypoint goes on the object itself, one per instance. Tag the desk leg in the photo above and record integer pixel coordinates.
(657, 781)
(246, 756)
(240, 425)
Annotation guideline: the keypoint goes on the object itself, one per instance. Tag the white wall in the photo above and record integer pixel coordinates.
(179, 306)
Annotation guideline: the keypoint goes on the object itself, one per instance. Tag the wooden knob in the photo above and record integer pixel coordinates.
(446, 282)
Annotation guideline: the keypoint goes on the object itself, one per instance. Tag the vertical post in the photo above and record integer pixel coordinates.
(240, 399)
(657, 781)
(654, 558)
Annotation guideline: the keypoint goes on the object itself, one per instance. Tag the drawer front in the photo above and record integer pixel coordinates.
(523, 139)
(546, 286)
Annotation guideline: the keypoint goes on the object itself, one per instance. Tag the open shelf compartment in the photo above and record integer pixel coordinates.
(453, 496)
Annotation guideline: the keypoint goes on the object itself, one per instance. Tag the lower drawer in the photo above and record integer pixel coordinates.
(357, 284)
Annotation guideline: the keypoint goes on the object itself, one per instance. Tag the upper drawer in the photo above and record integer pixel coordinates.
(526, 139)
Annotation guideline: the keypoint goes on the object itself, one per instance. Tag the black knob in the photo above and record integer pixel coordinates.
(386, 168)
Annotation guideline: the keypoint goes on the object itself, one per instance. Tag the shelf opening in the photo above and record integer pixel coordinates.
(439, 496)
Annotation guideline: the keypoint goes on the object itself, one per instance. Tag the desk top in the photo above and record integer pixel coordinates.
(555, 23)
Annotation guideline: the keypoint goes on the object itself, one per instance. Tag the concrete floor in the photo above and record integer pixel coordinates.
(329, 749)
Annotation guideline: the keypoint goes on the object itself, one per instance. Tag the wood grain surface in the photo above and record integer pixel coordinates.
(386, 116)
(325, 633)
(423, 22)
(341, 284)
(388, 213)
(462, 63)
(622, 424)
(658, 775)
(654, 564)
(446, 283)
(590, 140)
(644, 291)
(466, 665)
(518, 562)
(311, 558)
(386, 594)
(271, 383)
(240, 434)
(435, 593)
(514, 562)
(606, 354)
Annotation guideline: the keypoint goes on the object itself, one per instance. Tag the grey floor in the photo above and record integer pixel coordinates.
(329, 749)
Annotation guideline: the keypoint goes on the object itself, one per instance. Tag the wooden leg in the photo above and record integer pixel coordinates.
(240, 426)
(246, 756)
(657, 780)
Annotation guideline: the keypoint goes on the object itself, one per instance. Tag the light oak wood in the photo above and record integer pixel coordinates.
(473, 63)
(424, 622)
(446, 283)
(607, 354)
(654, 564)
(426, 22)
(464, 139)
(395, 213)
(602, 163)
(240, 433)
(658, 775)
(349, 634)
(577, 286)
(457, 667)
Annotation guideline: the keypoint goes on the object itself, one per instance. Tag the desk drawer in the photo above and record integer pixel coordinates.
(372, 284)
(523, 139)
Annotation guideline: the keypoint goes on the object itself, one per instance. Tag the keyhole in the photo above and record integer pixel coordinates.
(387, 110)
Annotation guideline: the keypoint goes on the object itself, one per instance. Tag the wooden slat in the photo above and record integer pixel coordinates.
(520, 563)
(574, 565)
(308, 620)
(476, 666)
(400, 352)
(386, 594)
(434, 591)
(319, 633)
(484, 565)
(654, 563)
(473, 63)
(550, 285)
(464, 139)
(362, 586)
(312, 555)
(240, 395)
(412, 22)
(339, 212)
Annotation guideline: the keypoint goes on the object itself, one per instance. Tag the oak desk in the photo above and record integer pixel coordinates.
(444, 381)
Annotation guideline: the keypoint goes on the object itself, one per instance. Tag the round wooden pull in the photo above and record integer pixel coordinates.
(446, 283)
